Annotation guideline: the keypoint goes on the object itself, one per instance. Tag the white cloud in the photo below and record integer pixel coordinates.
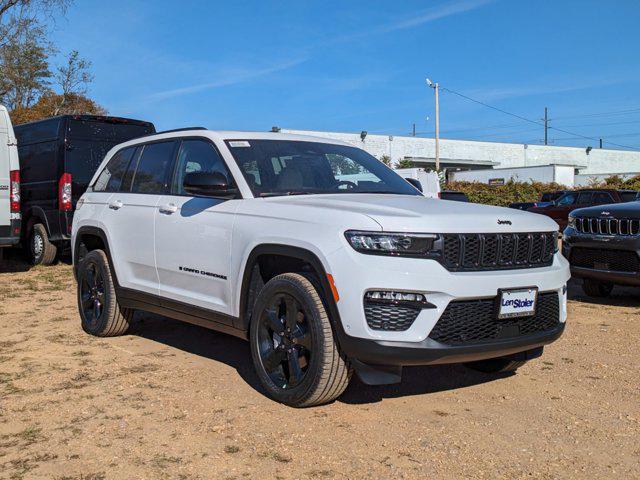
(226, 77)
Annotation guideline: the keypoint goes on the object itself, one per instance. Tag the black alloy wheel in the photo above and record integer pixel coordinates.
(285, 341)
(92, 294)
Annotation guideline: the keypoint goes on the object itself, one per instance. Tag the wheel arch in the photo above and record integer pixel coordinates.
(89, 238)
(32, 216)
(290, 256)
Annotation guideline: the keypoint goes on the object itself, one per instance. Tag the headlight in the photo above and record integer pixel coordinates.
(572, 222)
(401, 244)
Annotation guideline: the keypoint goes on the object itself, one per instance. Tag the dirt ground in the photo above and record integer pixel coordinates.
(172, 400)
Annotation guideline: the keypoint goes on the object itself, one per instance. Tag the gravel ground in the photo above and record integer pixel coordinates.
(172, 400)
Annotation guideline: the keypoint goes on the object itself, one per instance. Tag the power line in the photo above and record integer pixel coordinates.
(541, 124)
(629, 111)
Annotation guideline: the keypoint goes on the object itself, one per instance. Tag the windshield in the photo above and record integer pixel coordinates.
(286, 167)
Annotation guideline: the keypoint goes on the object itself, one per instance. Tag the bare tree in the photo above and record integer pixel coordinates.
(73, 79)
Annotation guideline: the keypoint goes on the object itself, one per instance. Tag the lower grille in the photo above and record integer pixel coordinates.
(475, 321)
(390, 318)
(600, 259)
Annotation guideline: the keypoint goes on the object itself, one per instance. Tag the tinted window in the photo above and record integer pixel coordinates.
(584, 198)
(629, 196)
(37, 131)
(38, 162)
(568, 199)
(197, 156)
(111, 177)
(115, 132)
(153, 168)
(284, 167)
(600, 198)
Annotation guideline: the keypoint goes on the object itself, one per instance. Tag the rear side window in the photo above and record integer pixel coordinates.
(585, 198)
(110, 178)
(197, 156)
(38, 162)
(153, 168)
(600, 198)
(629, 196)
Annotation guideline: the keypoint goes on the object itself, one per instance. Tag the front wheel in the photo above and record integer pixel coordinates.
(294, 353)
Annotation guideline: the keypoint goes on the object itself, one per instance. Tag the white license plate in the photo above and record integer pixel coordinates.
(517, 303)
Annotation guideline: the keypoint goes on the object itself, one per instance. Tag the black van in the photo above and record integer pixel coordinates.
(58, 157)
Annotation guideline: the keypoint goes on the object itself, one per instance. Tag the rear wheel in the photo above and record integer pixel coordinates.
(100, 312)
(292, 344)
(594, 288)
(41, 250)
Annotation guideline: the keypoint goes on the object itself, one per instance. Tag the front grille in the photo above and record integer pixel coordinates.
(498, 251)
(475, 321)
(600, 259)
(608, 226)
(390, 317)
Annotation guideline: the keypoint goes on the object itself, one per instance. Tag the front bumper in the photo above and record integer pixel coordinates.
(626, 243)
(430, 352)
(356, 273)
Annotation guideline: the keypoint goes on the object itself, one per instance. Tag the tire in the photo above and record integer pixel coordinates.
(301, 366)
(106, 318)
(496, 365)
(41, 250)
(594, 288)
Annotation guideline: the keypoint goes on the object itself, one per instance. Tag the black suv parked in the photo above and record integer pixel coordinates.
(602, 244)
(58, 157)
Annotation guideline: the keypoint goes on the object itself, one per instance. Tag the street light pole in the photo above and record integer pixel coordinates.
(435, 87)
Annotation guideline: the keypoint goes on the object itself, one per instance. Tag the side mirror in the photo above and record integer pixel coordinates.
(415, 183)
(205, 184)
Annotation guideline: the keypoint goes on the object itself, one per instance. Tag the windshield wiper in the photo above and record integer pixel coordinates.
(283, 194)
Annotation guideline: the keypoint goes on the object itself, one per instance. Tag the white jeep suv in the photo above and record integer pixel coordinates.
(322, 257)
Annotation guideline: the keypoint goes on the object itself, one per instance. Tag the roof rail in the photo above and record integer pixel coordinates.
(181, 130)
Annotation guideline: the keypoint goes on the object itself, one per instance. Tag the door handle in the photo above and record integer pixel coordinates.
(169, 208)
(117, 205)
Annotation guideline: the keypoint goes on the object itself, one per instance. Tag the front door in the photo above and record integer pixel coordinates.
(193, 235)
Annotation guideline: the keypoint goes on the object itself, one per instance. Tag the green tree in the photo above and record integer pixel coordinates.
(405, 163)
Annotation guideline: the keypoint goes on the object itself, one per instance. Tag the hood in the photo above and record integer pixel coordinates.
(406, 213)
(614, 210)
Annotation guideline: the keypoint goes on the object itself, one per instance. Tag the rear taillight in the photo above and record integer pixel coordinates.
(14, 190)
(439, 194)
(64, 192)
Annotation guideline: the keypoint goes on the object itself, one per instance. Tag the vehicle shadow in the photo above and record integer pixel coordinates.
(199, 341)
(15, 260)
(620, 297)
(235, 352)
(418, 381)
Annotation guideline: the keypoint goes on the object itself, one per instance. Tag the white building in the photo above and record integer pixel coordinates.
(471, 155)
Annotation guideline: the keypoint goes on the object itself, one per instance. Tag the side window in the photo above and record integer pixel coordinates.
(197, 156)
(153, 168)
(584, 198)
(600, 198)
(568, 199)
(111, 177)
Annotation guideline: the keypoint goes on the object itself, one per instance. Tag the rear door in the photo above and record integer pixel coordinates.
(130, 216)
(193, 235)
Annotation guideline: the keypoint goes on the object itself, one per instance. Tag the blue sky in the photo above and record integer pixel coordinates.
(361, 65)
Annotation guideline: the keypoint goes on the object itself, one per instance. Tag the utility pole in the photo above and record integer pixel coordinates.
(414, 129)
(600, 143)
(436, 88)
(546, 126)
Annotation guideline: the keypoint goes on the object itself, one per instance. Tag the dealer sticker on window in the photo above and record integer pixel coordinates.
(518, 303)
(239, 143)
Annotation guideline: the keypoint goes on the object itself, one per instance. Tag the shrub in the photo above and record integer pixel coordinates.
(512, 191)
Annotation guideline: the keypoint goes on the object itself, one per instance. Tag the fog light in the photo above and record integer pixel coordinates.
(397, 298)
